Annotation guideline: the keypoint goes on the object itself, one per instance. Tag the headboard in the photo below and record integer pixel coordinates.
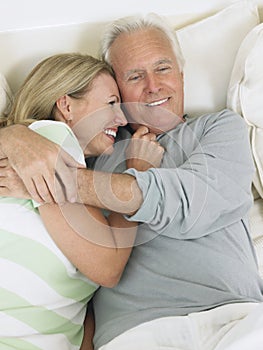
(223, 68)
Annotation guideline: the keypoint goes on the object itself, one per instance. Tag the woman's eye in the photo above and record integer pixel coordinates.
(112, 103)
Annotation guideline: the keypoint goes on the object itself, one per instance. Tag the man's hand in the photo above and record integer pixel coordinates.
(45, 169)
(144, 151)
(10, 183)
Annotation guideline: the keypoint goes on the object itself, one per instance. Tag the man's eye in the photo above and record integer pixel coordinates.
(134, 77)
(112, 103)
(163, 68)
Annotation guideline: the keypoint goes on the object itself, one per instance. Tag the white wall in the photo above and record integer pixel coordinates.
(19, 14)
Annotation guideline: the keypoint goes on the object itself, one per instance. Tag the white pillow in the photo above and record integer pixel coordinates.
(256, 230)
(5, 96)
(209, 48)
(245, 95)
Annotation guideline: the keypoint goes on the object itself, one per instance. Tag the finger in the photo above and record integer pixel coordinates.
(66, 184)
(7, 172)
(52, 189)
(145, 137)
(55, 185)
(70, 161)
(66, 170)
(35, 188)
(3, 172)
(142, 130)
(160, 150)
(45, 190)
(4, 162)
(3, 181)
(60, 192)
(150, 137)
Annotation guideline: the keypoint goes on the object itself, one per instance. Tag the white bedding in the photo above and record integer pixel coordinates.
(247, 334)
(20, 50)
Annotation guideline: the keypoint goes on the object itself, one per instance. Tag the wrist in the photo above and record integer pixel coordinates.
(8, 137)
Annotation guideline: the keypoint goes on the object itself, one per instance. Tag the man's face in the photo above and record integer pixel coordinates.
(147, 72)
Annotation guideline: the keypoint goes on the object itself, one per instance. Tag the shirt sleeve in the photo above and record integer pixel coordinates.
(209, 189)
(61, 134)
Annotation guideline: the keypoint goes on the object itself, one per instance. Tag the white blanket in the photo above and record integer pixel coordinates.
(236, 326)
(247, 334)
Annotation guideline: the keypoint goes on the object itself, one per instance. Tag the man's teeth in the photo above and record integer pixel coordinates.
(157, 103)
(110, 132)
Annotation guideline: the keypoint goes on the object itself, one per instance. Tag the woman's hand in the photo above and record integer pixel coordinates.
(144, 151)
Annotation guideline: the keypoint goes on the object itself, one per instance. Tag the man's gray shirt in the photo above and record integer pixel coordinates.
(193, 250)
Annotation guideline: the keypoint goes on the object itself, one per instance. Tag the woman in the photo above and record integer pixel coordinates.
(73, 100)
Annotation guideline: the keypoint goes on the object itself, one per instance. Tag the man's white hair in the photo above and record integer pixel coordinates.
(133, 24)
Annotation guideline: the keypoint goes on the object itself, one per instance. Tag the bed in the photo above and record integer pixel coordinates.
(223, 51)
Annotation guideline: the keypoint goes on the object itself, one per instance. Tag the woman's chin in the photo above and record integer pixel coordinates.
(108, 150)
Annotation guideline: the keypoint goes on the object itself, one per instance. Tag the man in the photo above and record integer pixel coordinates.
(192, 273)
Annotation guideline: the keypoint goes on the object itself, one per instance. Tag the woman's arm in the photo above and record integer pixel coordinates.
(89, 329)
(97, 246)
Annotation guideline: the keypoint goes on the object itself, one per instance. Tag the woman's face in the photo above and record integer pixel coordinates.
(97, 116)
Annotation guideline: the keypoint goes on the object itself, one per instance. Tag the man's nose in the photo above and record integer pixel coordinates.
(152, 84)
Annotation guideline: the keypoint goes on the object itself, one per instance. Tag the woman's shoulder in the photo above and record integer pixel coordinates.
(61, 134)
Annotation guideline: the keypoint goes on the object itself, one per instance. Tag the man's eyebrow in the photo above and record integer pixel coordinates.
(155, 64)
(162, 61)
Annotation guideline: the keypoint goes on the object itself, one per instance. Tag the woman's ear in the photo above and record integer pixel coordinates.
(64, 109)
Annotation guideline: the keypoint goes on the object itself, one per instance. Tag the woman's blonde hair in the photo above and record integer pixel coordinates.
(62, 74)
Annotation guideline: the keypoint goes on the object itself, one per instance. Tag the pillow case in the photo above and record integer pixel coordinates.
(245, 95)
(256, 224)
(5, 96)
(209, 47)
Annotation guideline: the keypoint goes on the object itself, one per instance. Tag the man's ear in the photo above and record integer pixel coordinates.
(64, 109)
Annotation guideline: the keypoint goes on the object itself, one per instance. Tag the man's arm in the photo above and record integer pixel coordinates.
(36, 160)
(201, 194)
(117, 192)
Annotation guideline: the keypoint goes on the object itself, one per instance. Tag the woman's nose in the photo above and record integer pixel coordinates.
(120, 118)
